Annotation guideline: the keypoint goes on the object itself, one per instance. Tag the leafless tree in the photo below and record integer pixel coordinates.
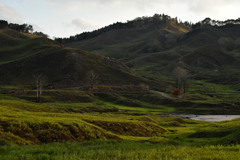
(39, 82)
(91, 79)
(181, 78)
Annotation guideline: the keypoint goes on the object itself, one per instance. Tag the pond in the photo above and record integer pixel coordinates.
(209, 118)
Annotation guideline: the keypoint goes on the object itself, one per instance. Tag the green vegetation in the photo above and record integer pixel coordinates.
(25, 55)
(122, 116)
(118, 125)
(115, 150)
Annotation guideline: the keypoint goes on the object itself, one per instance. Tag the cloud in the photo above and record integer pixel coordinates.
(9, 14)
(211, 6)
(81, 4)
(36, 27)
(84, 24)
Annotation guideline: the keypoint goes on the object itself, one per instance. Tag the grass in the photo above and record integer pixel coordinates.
(106, 130)
(118, 150)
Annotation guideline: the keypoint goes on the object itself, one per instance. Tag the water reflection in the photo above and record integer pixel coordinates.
(209, 118)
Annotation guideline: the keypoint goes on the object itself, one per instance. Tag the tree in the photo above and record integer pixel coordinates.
(181, 78)
(39, 82)
(41, 34)
(91, 79)
(3, 24)
(176, 93)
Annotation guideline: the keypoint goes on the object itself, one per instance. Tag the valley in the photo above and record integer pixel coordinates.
(111, 95)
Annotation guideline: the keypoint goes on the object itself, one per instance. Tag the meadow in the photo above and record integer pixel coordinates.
(115, 150)
(73, 124)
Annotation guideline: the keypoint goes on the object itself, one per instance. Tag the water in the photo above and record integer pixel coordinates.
(209, 118)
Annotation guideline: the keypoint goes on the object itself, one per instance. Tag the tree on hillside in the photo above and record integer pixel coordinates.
(3, 24)
(91, 79)
(23, 28)
(181, 78)
(176, 93)
(39, 82)
(40, 34)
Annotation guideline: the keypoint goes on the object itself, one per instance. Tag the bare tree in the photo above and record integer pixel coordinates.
(181, 78)
(39, 82)
(91, 79)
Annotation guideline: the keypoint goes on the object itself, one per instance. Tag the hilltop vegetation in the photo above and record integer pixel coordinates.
(138, 22)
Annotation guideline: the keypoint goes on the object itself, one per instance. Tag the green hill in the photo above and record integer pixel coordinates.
(154, 49)
(25, 55)
(153, 36)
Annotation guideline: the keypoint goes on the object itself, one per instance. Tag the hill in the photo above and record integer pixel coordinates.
(209, 51)
(149, 35)
(23, 55)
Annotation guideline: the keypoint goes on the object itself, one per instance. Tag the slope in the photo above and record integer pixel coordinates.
(157, 47)
(23, 56)
(209, 53)
(153, 36)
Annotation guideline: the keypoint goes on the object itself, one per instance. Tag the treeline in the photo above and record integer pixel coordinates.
(141, 21)
(3, 24)
(23, 28)
(136, 23)
(215, 23)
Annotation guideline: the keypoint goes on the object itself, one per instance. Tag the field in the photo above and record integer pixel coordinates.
(113, 150)
(74, 124)
(126, 115)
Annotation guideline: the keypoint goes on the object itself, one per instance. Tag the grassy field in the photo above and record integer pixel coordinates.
(115, 150)
(73, 124)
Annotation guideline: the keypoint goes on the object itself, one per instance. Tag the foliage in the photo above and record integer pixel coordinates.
(41, 34)
(176, 92)
(3, 24)
(23, 28)
(216, 23)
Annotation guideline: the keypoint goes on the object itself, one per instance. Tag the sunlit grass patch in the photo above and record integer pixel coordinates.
(118, 150)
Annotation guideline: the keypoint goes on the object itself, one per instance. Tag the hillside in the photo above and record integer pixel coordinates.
(153, 50)
(23, 55)
(154, 36)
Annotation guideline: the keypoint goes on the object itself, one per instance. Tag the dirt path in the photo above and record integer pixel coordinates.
(163, 94)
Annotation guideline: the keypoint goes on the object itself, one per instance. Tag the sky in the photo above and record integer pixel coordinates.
(64, 18)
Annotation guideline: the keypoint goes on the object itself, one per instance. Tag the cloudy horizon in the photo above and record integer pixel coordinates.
(61, 18)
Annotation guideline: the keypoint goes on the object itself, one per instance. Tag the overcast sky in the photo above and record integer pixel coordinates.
(62, 18)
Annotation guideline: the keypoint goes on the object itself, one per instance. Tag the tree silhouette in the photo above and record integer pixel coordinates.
(39, 82)
(91, 79)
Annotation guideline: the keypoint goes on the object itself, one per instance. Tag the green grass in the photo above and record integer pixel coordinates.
(58, 130)
(118, 150)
